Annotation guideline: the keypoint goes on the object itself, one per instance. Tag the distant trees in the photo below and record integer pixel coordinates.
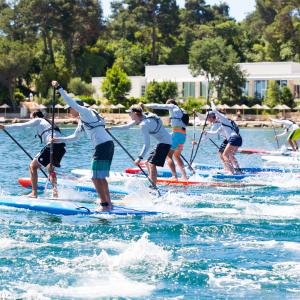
(212, 58)
(116, 85)
(70, 38)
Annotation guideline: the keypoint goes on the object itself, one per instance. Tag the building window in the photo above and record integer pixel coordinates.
(246, 88)
(188, 89)
(143, 90)
(260, 87)
(203, 89)
(281, 82)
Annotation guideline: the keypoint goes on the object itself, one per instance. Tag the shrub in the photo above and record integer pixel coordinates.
(80, 87)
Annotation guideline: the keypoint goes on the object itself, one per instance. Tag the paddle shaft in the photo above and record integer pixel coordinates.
(125, 150)
(275, 133)
(194, 136)
(52, 128)
(190, 167)
(22, 148)
(200, 138)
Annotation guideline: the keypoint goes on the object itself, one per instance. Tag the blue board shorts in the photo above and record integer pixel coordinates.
(102, 160)
(235, 140)
(178, 138)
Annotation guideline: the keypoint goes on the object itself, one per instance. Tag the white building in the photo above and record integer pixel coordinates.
(257, 77)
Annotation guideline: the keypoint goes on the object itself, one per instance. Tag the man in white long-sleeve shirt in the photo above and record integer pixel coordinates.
(292, 129)
(94, 126)
(44, 131)
(178, 134)
(151, 125)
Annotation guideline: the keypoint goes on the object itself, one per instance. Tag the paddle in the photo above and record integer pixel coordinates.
(275, 133)
(52, 130)
(194, 135)
(190, 167)
(200, 138)
(125, 150)
(22, 148)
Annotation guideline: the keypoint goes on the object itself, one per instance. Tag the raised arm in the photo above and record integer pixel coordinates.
(160, 106)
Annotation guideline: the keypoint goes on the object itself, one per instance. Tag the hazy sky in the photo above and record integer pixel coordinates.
(238, 8)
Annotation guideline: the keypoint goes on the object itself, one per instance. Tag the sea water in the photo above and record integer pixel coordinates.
(210, 243)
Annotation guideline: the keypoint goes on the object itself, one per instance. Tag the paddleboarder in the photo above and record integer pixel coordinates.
(93, 125)
(179, 121)
(233, 140)
(292, 129)
(150, 125)
(44, 131)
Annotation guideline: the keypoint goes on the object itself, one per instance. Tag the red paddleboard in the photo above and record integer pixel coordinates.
(203, 183)
(25, 182)
(256, 151)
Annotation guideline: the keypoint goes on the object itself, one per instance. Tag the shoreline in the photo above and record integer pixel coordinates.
(121, 119)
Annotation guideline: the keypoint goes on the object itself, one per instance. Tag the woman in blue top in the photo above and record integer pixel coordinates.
(178, 135)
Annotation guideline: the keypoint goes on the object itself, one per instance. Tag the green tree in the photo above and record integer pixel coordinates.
(286, 96)
(211, 58)
(116, 85)
(80, 87)
(160, 92)
(272, 96)
(15, 60)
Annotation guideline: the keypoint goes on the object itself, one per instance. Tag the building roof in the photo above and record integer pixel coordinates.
(258, 71)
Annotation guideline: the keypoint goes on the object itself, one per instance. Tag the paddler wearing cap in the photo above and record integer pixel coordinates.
(232, 138)
(93, 125)
(150, 125)
(178, 124)
(291, 128)
(43, 129)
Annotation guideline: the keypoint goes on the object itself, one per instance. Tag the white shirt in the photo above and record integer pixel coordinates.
(43, 129)
(149, 126)
(175, 112)
(97, 135)
(226, 129)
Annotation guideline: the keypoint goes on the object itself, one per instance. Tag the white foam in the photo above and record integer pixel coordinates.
(90, 285)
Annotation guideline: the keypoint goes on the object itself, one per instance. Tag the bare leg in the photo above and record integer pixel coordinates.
(293, 144)
(226, 169)
(227, 159)
(53, 180)
(230, 159)
(177, 156)
(153, 173)
(171, 164)
(101, 187)
(33, 167)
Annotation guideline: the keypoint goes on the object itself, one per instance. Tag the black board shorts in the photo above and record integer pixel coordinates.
(58, 152)
(159, 154)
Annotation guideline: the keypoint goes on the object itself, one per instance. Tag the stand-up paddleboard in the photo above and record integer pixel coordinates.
(206, 184)
(249, 169)
(289, 160)
(67, 208)
(168, 181)
(165, 173)
(283, 150)
(78, 186)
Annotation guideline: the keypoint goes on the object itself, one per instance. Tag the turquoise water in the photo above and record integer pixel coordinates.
(215, 243)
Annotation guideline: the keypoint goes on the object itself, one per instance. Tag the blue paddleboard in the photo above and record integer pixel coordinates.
(67, 207)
